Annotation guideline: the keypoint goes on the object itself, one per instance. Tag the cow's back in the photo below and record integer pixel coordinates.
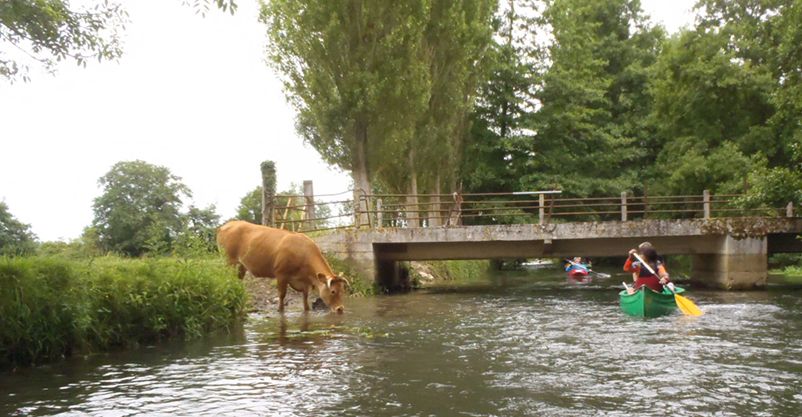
(252, 245)
(299, 255)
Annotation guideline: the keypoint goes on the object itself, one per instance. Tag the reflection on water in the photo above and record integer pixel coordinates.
(516, 344)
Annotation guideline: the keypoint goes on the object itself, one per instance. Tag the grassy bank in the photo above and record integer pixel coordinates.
(51, 307)
(422, 273)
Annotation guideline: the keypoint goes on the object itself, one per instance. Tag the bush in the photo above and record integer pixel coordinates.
(52, 306)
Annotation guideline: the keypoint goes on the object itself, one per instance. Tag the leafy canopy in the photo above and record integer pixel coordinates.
(50, 31)
(139, 209)
(16, 238)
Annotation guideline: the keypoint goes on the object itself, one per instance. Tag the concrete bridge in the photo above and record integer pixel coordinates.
(728, 253)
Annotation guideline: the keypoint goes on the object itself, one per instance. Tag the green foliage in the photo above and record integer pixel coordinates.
(359, 284)
(371, 79)
(454, 270)
(594, 100)
(16, 238)
(493, 159)
(50, 31)
(49, 307)
(710, 115)
(199, 236)
(773, 189)
(85, 247)
(139, 211)
(250, 207)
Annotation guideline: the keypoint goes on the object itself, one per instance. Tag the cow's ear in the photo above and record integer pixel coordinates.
(322, 277)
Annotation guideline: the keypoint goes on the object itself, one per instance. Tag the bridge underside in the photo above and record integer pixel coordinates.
(726, 253)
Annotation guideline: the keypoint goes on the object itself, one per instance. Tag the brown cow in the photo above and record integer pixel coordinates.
(292, 258)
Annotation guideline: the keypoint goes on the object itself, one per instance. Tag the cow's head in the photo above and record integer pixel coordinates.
(332, 291)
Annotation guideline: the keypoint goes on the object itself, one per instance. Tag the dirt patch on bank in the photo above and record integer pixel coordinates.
(263, 295)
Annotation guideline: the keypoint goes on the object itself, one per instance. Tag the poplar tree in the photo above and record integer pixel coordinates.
(352, 71)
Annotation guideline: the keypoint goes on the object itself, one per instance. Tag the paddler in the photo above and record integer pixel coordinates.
(642, 274)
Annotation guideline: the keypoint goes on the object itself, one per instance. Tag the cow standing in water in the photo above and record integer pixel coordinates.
(292, 258)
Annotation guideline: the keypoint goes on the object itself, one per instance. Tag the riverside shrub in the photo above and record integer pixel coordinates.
(51, 306)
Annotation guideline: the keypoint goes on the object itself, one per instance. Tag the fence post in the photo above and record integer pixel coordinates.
(789, 210)
(268, 193)
(746, 192)
(623, 206)
(309, 195)
(379, 214)
(706, 200)
(542, 204)
(645, 200)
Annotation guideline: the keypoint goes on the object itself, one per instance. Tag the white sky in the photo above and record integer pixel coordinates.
(192, 94)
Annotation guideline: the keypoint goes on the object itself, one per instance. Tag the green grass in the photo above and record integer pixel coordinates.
(455, 270)
(359, 284)
(52, 306)
(791, 271)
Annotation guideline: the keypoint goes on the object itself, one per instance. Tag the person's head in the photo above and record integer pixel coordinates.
(577, 259)
(649, 254)
(643, 245)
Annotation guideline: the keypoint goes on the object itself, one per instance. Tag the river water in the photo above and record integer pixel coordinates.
(518, 343)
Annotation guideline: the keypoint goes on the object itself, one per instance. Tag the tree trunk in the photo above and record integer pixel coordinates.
(361, 174)
(413, 215)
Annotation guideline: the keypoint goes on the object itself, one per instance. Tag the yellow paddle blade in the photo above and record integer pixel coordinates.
(687, 306)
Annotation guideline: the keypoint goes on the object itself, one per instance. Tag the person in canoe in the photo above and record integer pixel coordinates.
(642, 274)
(576, 267)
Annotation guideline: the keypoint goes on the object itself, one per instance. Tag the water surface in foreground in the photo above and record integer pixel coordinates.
(518, 344)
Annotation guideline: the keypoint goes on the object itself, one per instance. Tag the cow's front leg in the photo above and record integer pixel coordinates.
(306, 299)
(281, 285)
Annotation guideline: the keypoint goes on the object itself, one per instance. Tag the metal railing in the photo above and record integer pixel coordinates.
(535, 207)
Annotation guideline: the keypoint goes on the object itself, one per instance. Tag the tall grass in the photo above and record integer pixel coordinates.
(51, 306)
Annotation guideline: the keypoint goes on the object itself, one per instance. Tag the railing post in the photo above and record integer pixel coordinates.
(789, 209)
(746, 192)
(379, 214)
(309, 196)
(542, 204)
(623, 206)
(645, 200)
(706, 203)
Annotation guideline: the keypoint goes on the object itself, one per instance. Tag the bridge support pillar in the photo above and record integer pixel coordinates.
(388, 274)
(740, 264)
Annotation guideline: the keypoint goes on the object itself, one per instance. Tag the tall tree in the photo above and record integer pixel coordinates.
(139, 209)
(588, 133)
(761, 38)
(351, 70)
(492, 157)
(16, 238)
(456, 38)
(710, 115)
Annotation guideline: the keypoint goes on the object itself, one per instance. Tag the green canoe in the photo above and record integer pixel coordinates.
(648, 303)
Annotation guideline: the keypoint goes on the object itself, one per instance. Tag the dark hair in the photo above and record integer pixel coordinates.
(649, 254)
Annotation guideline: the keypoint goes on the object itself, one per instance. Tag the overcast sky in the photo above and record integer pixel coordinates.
(192, 94)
